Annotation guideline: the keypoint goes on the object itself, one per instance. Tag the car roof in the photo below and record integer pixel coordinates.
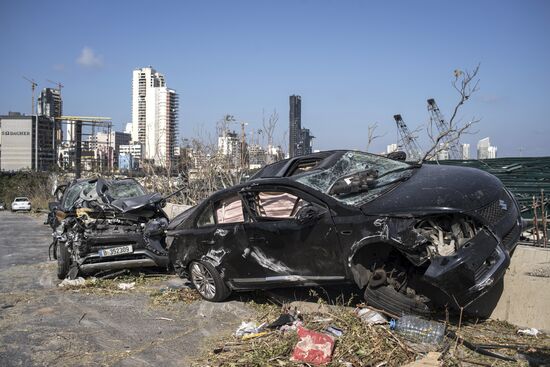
(286, 167)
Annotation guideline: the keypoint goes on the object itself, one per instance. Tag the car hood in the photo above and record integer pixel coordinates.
(437, 188)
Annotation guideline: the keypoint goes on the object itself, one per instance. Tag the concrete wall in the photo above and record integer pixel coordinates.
(525, 300)
(522, 298)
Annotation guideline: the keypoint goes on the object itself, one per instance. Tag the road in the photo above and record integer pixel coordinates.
(42, 324)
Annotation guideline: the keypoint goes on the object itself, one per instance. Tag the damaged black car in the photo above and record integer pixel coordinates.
(103, 225)
(410, 236)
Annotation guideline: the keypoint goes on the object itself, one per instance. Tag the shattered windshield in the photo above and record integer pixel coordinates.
(125, 189)
(388, 172)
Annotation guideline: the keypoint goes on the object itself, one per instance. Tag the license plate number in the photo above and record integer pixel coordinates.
(116, 251)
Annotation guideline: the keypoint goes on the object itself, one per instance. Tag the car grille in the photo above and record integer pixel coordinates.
(496, 210)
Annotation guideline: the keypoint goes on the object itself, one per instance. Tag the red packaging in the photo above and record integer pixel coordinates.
(312, 347)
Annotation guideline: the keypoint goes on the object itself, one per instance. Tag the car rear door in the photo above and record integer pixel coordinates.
(291, 234)
(221, 240)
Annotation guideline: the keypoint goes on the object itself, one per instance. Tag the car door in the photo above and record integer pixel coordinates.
(292, 236)
(221, 240)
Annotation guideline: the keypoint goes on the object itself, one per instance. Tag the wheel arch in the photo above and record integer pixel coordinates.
(365, 254)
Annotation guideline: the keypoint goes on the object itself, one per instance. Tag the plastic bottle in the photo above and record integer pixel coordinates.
(419, 330)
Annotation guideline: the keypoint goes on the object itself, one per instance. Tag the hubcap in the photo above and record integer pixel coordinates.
(203, 280)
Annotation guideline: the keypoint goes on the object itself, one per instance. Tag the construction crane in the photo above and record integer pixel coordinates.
(408, 140)
(33, 87)
(58, 84)
(443, 130)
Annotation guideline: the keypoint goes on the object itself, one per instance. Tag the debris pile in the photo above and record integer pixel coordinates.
(343, 336)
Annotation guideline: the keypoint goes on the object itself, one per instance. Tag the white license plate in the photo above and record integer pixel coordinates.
(116, 251)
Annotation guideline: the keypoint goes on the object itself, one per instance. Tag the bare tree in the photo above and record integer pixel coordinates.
(466, 83)
(371, 137)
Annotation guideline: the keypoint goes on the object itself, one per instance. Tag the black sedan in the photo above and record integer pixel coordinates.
(411, 236)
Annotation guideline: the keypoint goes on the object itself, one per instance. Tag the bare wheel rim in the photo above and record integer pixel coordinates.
(203, 280)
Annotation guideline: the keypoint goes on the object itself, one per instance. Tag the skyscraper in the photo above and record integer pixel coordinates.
(485, 150)
(154, 116)
(295, 125)
(50, 103)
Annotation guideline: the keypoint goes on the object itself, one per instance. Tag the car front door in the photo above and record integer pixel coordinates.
(292, 236)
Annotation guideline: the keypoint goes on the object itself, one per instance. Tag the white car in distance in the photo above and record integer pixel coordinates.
(21, 203)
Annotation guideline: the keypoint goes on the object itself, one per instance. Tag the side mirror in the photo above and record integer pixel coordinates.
(398, 155)
(54, 205)
(309, 213)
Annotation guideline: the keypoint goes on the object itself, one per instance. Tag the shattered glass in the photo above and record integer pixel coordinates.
(352, 162)
(125, 189)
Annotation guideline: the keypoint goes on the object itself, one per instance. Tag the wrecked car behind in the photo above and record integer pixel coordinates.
(412, 237)
(102, 225)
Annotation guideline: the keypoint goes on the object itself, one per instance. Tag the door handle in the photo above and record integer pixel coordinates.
(208, 242)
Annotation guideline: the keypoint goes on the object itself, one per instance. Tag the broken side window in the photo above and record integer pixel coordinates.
(277, 204)
(230, 210)
(206, 218)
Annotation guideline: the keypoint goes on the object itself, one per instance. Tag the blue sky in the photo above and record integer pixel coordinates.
(353, 62)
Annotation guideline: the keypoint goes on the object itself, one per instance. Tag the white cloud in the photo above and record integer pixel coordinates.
(89, 59)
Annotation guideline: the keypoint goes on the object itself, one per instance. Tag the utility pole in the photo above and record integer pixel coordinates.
(33, 87)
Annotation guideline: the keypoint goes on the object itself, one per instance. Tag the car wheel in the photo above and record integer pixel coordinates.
(388, 299)
(208, 281)
(63, 261)
(397, 291)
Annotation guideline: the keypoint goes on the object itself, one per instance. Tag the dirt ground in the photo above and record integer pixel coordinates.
(42, 324)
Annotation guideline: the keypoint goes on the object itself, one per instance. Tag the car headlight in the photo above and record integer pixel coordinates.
(447, 233)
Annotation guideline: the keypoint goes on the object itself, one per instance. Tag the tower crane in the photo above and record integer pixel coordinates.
(408, 140)
(437, 119)
(33, 87)
(58, 84)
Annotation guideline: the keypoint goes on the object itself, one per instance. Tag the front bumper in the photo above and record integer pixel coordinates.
(140, 258)
(474, 268)
(21, 207)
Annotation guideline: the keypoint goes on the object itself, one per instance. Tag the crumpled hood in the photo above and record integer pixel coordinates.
(436, 188)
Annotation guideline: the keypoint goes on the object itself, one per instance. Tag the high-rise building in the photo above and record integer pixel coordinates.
(305, 146)
(300, 140)
(391, 148)
(295, 125)
(154, 116)
(465, 151)
(50, 103)
(485, 150)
